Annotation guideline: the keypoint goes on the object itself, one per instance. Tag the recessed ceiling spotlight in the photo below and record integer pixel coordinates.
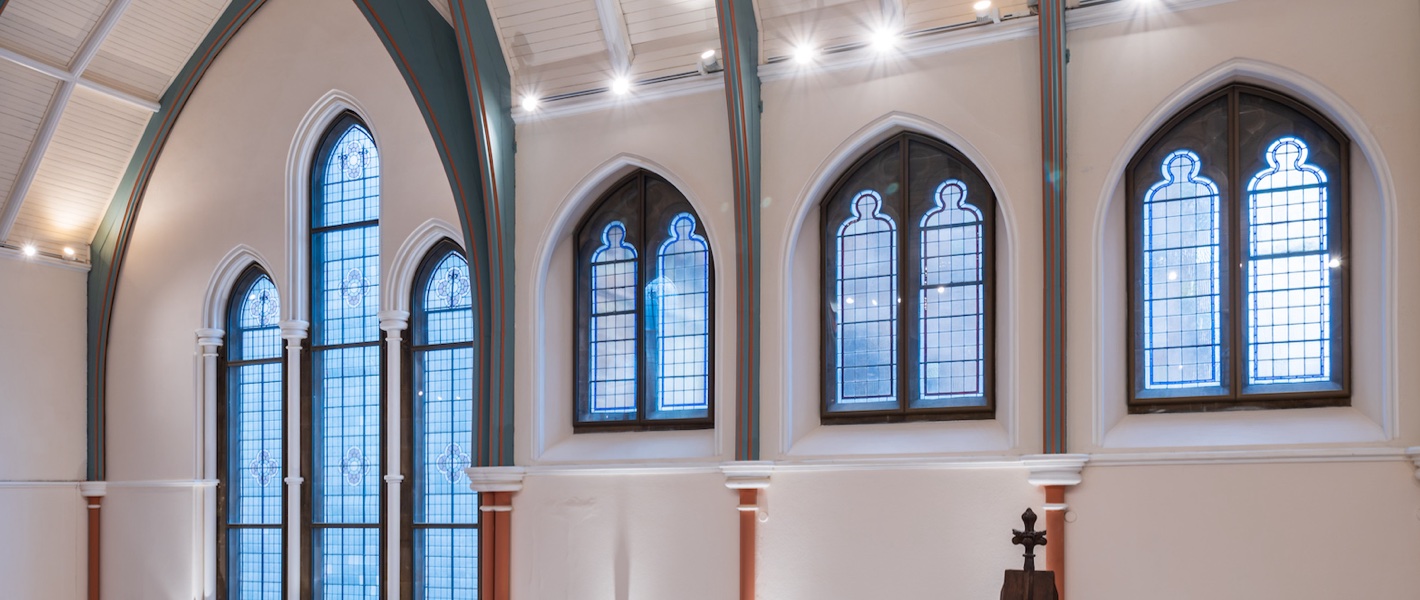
(708, 55)
(530, 103)
(985, 12)
(804, 54)
(621, 86)
(29, 250)
(68, 252)
(709, 62)
(885, 39)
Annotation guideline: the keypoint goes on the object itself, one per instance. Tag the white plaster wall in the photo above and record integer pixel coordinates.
(44, 548)
(220, 182)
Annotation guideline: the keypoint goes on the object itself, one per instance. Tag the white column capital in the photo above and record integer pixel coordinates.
(208, 336)
(93, 489)
(1055, 469)
(747, 475)
(295, 329)
(495, 479)
(394, 320)
(1414, 453)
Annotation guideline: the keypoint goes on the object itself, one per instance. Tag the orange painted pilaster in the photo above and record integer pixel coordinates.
(495, 544)
(1055, 534)
(749, 503)
(93, 493)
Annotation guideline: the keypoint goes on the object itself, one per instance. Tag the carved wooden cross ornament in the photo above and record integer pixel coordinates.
(1029, 537)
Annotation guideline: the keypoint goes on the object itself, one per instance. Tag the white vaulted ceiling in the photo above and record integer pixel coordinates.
(80, 79)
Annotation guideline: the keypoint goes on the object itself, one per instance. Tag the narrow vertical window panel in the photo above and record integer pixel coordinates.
(614, 323)
(251, 509)
(1182, 292)
(866, 302)
(952, 301)
(678, 306)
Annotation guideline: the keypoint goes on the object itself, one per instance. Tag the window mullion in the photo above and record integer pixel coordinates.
(1237, 258)
(905, 360)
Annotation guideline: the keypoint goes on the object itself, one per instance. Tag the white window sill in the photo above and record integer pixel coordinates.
(639, 446)
(902, 439)
(1244, 428)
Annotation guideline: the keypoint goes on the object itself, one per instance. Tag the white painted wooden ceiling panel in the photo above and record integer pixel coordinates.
(80, 172)
(49, 30)
(152, 42)
(24, 96)
(822, 24)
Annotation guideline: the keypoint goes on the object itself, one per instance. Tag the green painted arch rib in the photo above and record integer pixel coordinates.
(739, 42)
(424, 48)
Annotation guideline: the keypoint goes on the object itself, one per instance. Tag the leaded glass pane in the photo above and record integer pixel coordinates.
(613, 327)
(1288, 269)
(952, 323)
(349, 189)
(447, 302)
(1182, 340)
(255, 444)
(347, 563)
(866, 302)
(258, 332)
(347, 482)
(678, 306)
(256, 564)
(348, 280)
(444, 412)
(446, 564)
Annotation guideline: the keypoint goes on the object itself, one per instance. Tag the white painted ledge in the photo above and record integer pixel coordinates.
(1244, 428)
(902, 439)
(495, 479)
(632, 446)
(747, 475)
(1055, 469)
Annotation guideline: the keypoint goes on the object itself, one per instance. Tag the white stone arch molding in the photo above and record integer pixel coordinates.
(298, 190)
(1330, 104)
(827, 174)
(568, 214)
(224, 281)
(397, 293)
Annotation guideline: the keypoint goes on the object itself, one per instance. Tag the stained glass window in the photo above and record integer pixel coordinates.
(253, 444)
(444, 520)
(1252, 174)
(644, 312)
(908, 272)
(346, 444)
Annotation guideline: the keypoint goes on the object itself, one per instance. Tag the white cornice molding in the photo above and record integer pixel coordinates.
(1236, 457)
(1055, 469)
(747, 475)
(224, 280)
(495, 479)
(594, 102)
(1122, 10)
(7, 252)
(399, 282)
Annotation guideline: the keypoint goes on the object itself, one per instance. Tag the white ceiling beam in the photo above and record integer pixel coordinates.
(60, 74)
(618, 39)
(50, 124)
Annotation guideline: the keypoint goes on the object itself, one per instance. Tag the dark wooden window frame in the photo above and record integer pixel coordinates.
(226, 475)
(407, 415)
(1142, 172)
(980, 195)
(645, 216)
(308, 524)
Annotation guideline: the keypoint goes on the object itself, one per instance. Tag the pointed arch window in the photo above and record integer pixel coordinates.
(1238, 254)
(908, 238)
(442, 527)
(345, 447)
(643, 311)
(251, 444)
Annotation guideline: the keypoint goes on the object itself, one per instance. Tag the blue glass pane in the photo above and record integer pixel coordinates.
(349, 188)
(953, 305)
(1288, 271)
(866, 300)
(678, 307)
(443, 392)
(347, 563)
(255, 446)
(447, 303)
(347, 278)
(1182, 341)
(256, 564)
(613, 331)
(347, 427)
(446, 564)
(258, 331)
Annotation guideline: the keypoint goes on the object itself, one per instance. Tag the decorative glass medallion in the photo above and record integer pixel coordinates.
(452, 462)
(354, 467)
(352, 158)
(264, 468)
(353, 287)
(453, 287)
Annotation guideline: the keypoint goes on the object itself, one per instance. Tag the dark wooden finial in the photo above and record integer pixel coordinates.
(1029, 537)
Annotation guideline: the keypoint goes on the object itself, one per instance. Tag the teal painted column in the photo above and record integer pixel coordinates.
(115, 231)
(488, 84)
(739, 43)
(1052, 106)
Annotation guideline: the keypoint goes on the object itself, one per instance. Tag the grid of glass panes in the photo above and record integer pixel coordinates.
(1288, 269)
(346, 370)
(952, 323)
(445, 516)
(613, 329)
(866, 303)
(254, 444)
(1182, 339)
(678, 307)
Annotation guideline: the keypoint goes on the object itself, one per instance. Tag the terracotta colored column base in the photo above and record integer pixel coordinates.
(1055, 534)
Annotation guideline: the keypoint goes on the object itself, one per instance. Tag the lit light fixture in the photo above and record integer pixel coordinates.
(1334, 263)
(986, 13)
(804, 54)
(621, 86)
(69, 252)
(530, 103)
(29, 250)
(710, 62)
(885, 39)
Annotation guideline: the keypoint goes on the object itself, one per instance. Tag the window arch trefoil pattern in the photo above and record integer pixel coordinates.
(643, 310)
(908, 271)
(1237, 226)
